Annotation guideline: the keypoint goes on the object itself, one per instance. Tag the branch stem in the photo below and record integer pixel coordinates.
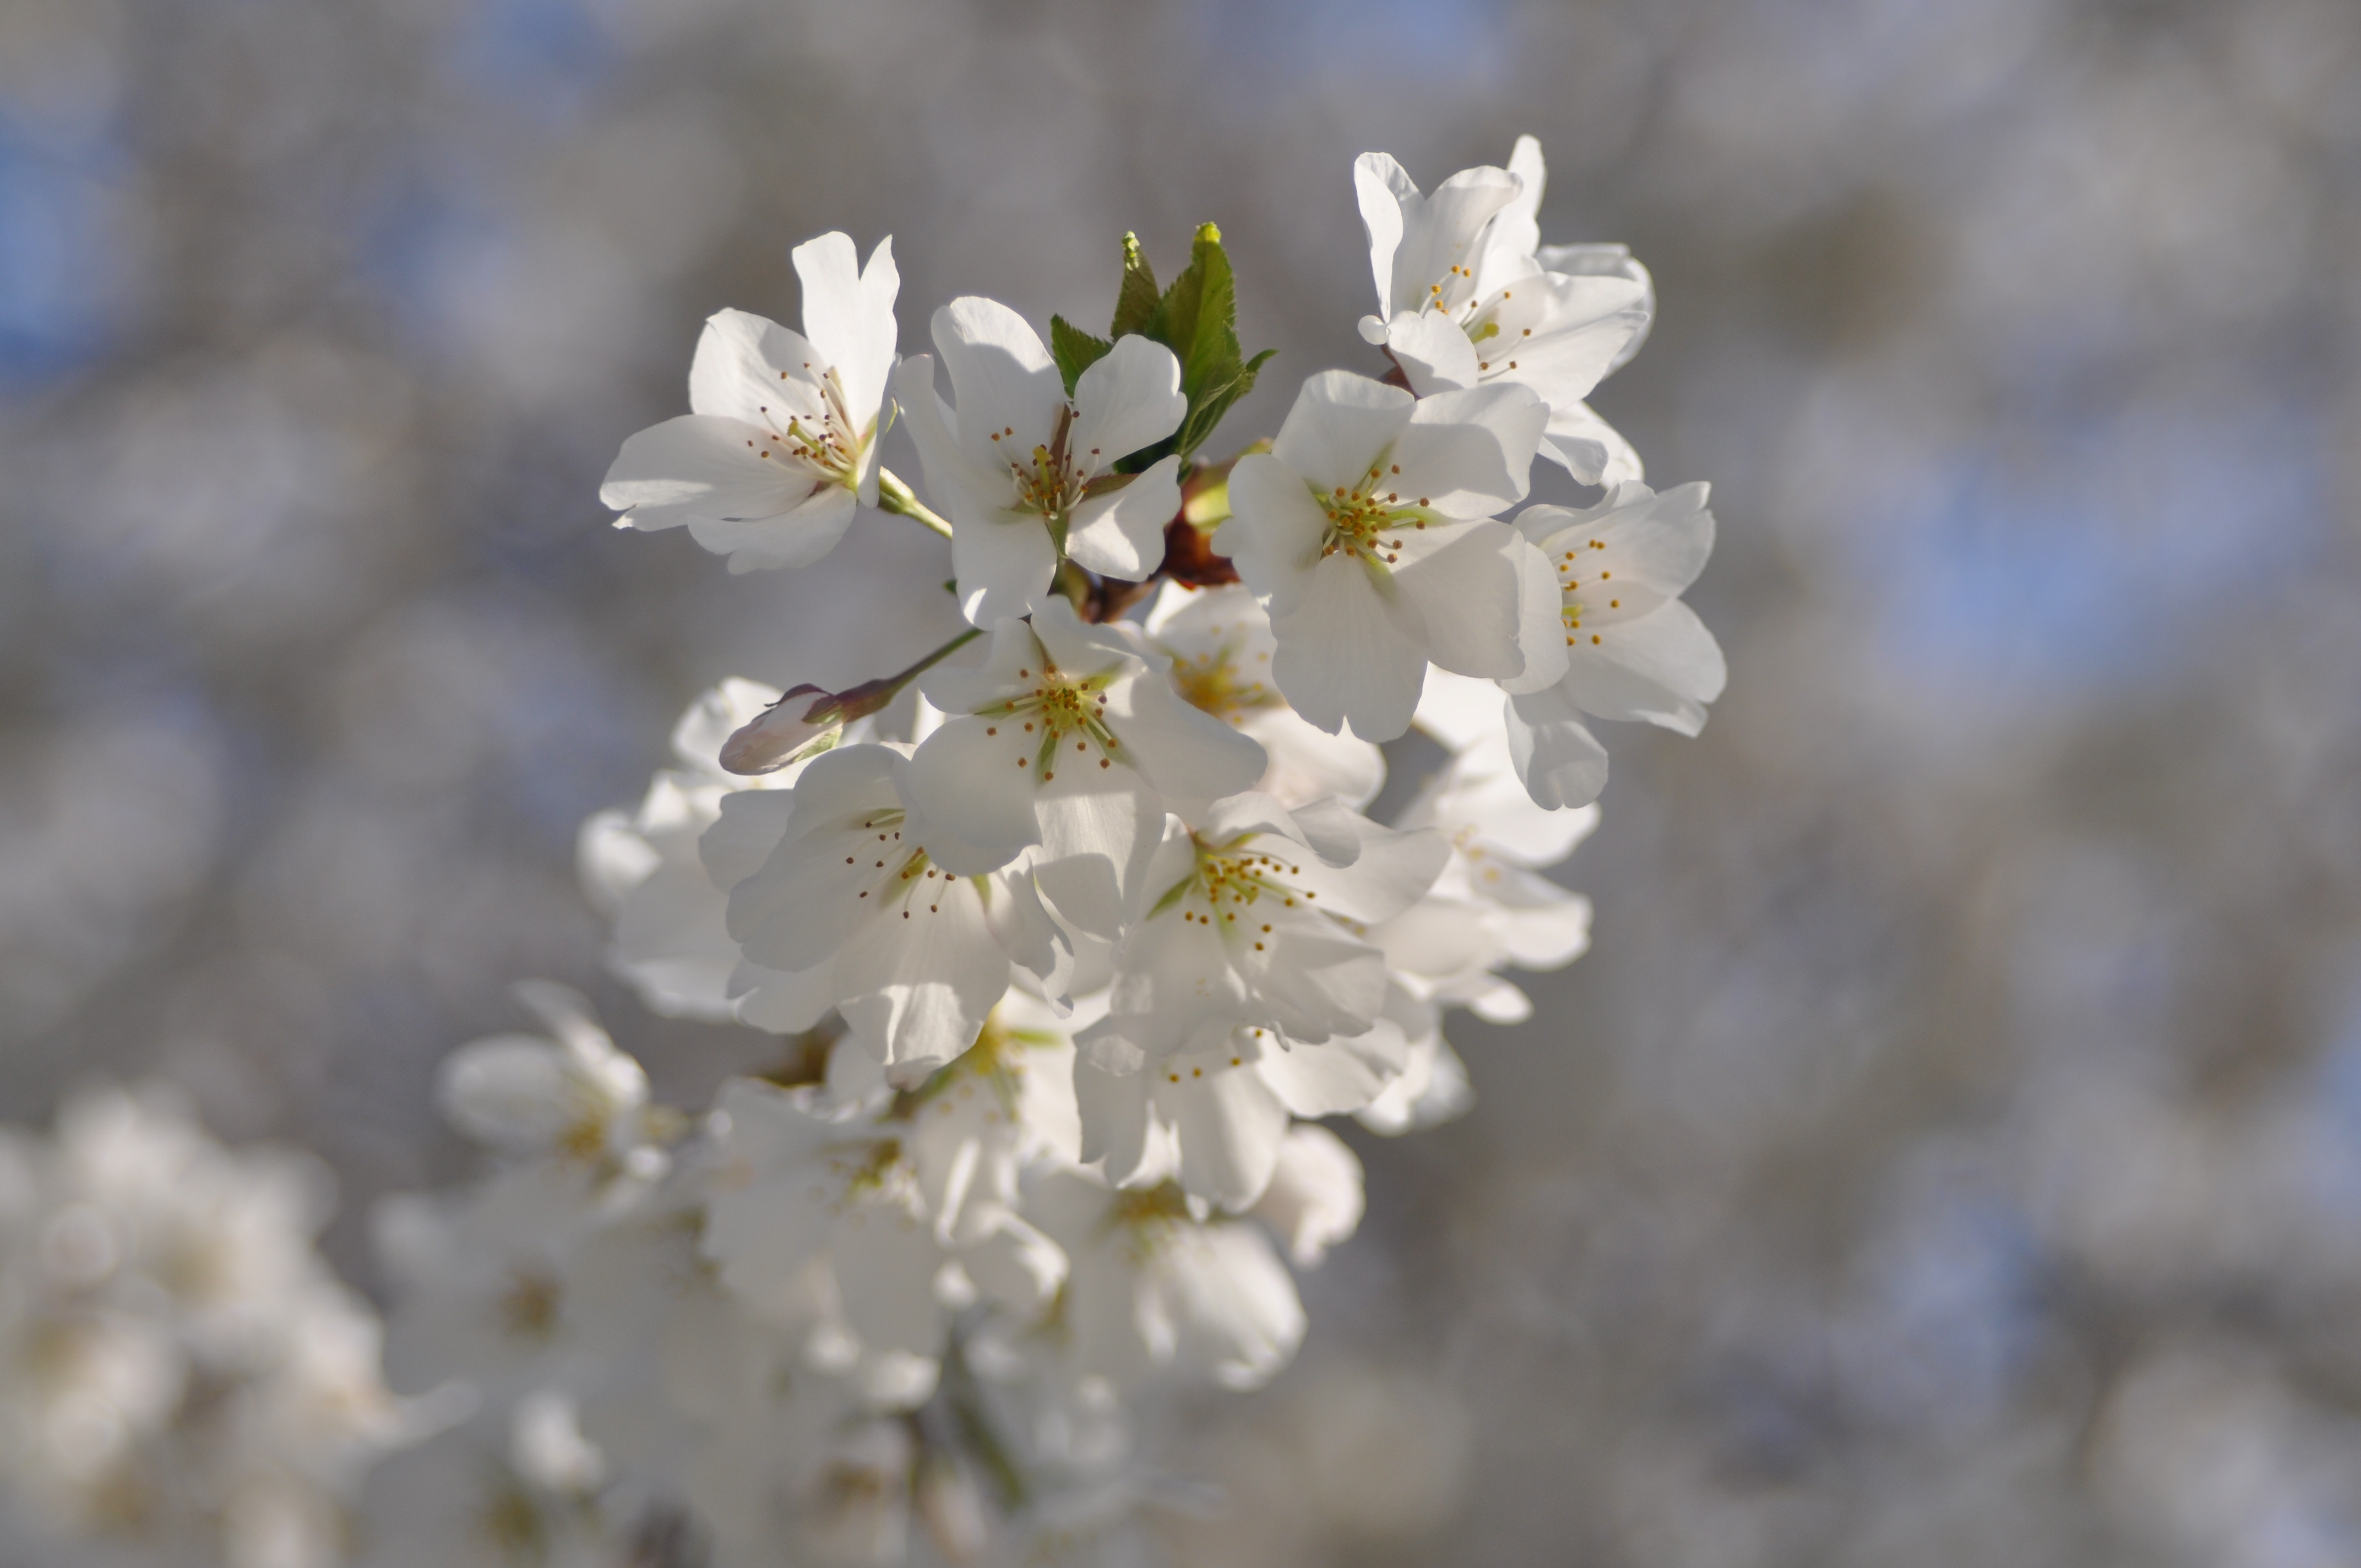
(895, 495)
(870, 696)
(937, 657)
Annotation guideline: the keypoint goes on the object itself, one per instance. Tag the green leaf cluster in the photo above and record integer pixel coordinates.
(1196, 318)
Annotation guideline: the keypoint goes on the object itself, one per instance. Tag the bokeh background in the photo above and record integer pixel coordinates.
(1949, 1153)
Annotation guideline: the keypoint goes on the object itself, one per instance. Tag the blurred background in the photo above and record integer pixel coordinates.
(1949, 1153)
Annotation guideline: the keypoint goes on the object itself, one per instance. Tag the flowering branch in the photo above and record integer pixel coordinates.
(1073, 963)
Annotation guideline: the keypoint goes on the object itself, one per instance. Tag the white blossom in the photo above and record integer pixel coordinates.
(794, 1188)
(1633, 650)
(1028, 473)
(459, 1500)
(1470, 297)
(781, 439)
(1490, 907)
(1067, 738)
(1155, 1290)
(1221, 646)
(1314, 1199)
(1214, 1120)
(856, 891)
(1366, 531)
(181, 1379)
(646, 870)
(571, 1093)
(1254, 926)
(1432, 1087)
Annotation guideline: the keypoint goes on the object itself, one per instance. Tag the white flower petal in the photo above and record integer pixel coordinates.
(749, 825)
(1003, 380)
(1585, 324)
(1189, 756)
(1002, 565)
(1344, 1074)
(1561, 763)
(701, 470)
(1433, 351)
(1098, 830)
(1228, 1124)
(783, 1002)
(1588, 447)
(510, 1091)
(975, 778)
(914, 991)
(796, 537)
(966, 490)
(1661, 542)
(1274, 531)
(1173, 982)
(1540, 629)
(849, 313)
(1350, 651)
(1471, 452)
(1015, 1266)
(1663, 668)
(1605, 261)
(1115, 1117)
(1338, 425)
(1381, 186)
(1469, 598)
(1128, 398)
(1391, 873)
(1316, 980)
(736, 373)
(1120, 535)
(1308, 764)
(1233, 1305)
(1315, 1199)
(1028, 932)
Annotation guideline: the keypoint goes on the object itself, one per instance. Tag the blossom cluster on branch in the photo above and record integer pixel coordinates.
(182, 1379)
(1073, 931)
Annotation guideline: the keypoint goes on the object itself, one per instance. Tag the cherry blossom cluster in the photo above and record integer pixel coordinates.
(1073, 931)
(183, 1380)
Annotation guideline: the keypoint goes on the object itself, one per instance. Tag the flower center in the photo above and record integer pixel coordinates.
(1569, 587)
(1214, 684)
(1061, 707)
(1144, 1220)
(997, 1061)
(877, 1167)
(1361, 517)
(898, 872)
(1229, 880)
(825, 441)
(1050, 479)
(1454, 293)
(529, 1307)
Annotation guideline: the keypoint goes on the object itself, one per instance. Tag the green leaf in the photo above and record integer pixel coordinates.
(1196, 318)
(1204, 316)
(1075, 350)
(1135, 304)
(1206, 412)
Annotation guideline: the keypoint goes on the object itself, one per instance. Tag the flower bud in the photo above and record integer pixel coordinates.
(805, 718)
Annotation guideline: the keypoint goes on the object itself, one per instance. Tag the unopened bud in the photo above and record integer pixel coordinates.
(804, 719)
